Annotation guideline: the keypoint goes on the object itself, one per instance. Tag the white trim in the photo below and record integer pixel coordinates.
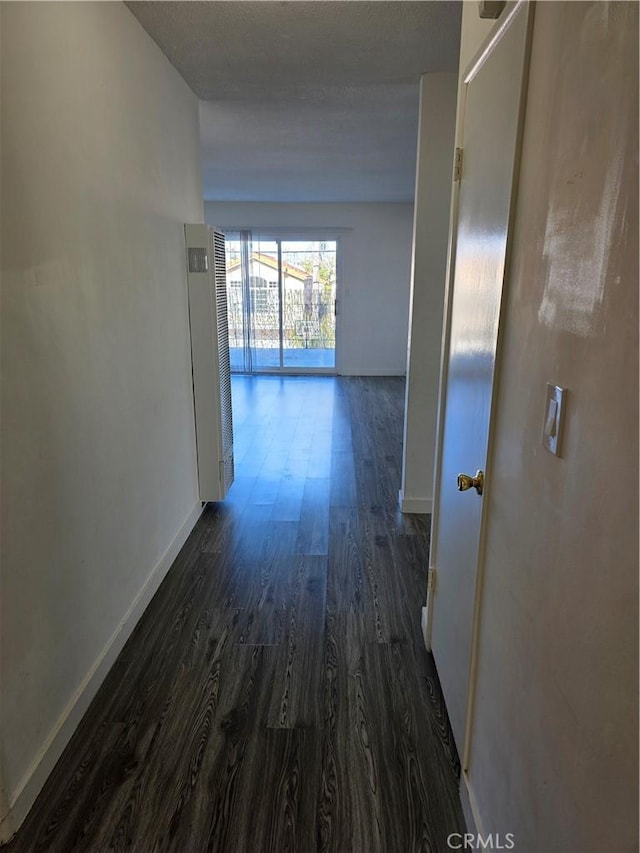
(495, 36)
(60, 735)
(469, 806)
(415, 505)
(338, 309)
(447, 313)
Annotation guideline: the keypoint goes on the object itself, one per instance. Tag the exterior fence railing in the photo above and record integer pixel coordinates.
(305, 325)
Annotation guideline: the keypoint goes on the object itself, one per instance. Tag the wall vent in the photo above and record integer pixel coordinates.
(210, 359)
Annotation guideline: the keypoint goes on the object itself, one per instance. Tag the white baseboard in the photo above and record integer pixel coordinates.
(420, 506)
(424, 624)
(372, 372)
(7, 824)
(469, 806)
(32, 783)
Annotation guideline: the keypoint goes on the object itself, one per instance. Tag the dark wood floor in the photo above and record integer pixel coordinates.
(276, 695)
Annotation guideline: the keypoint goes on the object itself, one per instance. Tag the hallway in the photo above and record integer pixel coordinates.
(276, 695)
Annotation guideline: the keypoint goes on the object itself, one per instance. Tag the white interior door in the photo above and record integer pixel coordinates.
(494, 87)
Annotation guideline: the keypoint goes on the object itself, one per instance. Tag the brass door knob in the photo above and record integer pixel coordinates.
(466, 482)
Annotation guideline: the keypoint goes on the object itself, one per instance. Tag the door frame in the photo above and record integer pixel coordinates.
(512, 8)
(279, 234)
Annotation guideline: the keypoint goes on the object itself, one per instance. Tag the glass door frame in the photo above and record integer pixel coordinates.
(280, 235)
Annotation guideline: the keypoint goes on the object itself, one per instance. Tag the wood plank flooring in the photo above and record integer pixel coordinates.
(276, 695)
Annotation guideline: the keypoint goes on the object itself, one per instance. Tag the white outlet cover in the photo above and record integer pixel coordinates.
(553, 418)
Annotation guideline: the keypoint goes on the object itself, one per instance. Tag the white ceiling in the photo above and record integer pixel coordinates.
(306, 100)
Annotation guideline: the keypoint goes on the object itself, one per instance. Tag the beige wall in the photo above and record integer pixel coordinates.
(100, 169)
(428, 276)
(374, 265)
(554, 745)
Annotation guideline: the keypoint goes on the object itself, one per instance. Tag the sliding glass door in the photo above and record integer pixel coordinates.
(282, 304)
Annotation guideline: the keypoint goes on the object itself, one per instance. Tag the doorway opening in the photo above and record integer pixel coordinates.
(282, 303)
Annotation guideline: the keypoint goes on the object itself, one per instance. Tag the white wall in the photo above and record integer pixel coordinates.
(554, 741)
(100, 169)
(428, 276)
(375, 263)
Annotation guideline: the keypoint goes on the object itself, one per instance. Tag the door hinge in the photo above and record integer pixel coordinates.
(457, 165)
(431, 581)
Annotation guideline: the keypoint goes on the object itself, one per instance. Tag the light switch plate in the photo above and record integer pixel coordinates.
(553, 418)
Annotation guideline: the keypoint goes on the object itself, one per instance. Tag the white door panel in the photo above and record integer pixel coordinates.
(491, 123)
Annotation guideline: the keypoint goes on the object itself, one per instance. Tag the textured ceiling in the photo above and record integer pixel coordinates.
(308, 100)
